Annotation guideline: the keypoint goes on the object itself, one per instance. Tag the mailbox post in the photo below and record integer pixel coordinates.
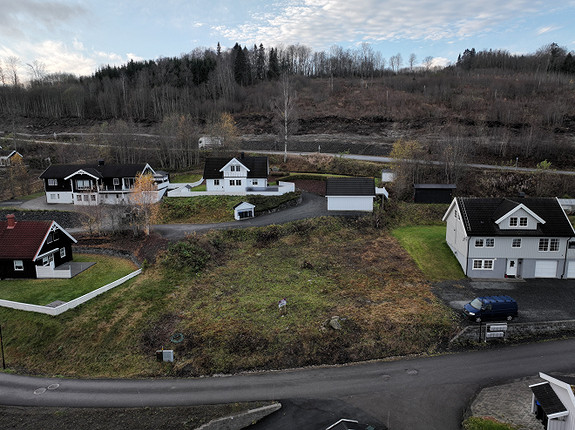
(495, 331)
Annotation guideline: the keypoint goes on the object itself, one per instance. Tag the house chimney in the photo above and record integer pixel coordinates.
(11, 221)
(100, 162)
(242, 155)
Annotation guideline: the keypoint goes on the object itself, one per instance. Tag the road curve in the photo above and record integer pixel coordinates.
(414, 393)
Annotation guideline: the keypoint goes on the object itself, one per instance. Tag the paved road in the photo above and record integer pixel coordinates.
(311, 206)
(419, 393)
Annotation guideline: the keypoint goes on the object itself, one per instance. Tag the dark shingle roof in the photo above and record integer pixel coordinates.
(24, 240)
(548, 399)
(479, 216)
(435, 186)
(258, 166)
(57, 171)
(350, 187)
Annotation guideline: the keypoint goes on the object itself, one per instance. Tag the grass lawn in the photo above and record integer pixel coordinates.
(44, 291)
(426, 245)
(185, 177)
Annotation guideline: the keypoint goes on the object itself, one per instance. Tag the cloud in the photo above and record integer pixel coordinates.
(21, 17)
(321, 23)
(543, 30)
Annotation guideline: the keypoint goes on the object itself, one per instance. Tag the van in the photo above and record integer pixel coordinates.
(491, 308)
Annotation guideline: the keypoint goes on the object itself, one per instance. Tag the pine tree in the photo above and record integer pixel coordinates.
(261, 63)
(273, 66)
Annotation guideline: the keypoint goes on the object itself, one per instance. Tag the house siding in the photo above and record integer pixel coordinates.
(350, 203)
(456, 238)
(7, 269)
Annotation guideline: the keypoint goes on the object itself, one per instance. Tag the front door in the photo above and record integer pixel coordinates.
(511, 271)
(48, 261)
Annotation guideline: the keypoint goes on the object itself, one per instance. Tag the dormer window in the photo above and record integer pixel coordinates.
(234, 168)
(479, 243)
(116, 181)
(518, 221)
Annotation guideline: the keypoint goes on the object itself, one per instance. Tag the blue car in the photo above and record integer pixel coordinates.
(491, 308)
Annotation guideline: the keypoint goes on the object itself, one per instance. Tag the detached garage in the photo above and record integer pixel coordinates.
(570, 272)
(350, 194)
(546, 269)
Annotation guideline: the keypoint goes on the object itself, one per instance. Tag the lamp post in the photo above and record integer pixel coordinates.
(2, 348)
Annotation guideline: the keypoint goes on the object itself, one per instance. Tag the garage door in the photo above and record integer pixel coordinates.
(545, 269)
(571, 269)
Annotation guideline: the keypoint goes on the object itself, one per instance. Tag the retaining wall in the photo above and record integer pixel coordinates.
(516, 331)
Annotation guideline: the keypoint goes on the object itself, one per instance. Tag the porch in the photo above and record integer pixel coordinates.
(64, 271)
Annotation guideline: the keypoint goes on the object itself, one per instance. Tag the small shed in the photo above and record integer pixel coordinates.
(350, 194)
(433, 193)
(244, 210)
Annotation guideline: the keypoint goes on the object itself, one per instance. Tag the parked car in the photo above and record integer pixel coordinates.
(491, 308)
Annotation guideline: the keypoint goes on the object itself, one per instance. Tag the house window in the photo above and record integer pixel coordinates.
(456, 214)
(513, 221)
(79, 197)
(53, 196)
(18, 265)
(234, 168)
(116, 181)
(50, 238)
(479, 243)
(82, 184)
(53, 182)
(85, 197)
(235, 182)
(490, 243)
(62, 252)
(483, 264)
(216, 182)
(93, 197)
(543, 244)
(516, 243)
(523, 221)
(254, 182)
(554, 245)
(571, 245)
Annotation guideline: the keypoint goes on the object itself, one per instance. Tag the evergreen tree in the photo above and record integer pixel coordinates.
(273, 65)
(261, 63)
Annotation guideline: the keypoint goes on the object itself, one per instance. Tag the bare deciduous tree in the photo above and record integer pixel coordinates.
(285, 110)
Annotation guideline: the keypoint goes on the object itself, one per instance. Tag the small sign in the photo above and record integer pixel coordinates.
(494, 334)
(497, 327)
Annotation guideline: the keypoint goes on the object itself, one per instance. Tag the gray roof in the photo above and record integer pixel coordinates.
(350, 187)
(479, 216)
(57, 171)
(434, 186)
(548, 399)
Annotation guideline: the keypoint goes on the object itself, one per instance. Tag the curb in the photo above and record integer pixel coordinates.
(242, 420)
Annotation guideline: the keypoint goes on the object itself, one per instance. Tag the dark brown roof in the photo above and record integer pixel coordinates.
(24, 240)
(57, 171)
(479, 216)
(350, 187)
(258, 166)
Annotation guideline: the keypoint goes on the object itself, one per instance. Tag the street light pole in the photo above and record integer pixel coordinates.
(2, 348)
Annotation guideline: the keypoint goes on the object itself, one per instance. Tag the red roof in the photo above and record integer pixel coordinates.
(24, 240)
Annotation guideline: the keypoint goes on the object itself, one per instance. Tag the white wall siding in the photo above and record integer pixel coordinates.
(350, 203)
(54, 197)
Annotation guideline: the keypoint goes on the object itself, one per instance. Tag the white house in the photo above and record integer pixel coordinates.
(235, 175)
(350, 194)
(553, 401)
(244, 210)
(504, 238)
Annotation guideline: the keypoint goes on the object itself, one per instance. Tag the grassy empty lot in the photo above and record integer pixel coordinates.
(185, 177)
(426, 245)
(228, 312)
(44, 291)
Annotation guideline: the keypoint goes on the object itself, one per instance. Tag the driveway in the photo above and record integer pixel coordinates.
(538, 299)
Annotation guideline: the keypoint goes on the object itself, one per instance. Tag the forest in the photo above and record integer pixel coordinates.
(489, 105)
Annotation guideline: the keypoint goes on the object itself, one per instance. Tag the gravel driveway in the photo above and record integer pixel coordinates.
(538, 299)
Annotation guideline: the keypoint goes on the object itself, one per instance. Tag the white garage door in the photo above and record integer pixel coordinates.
(545, 269)
(571, 269)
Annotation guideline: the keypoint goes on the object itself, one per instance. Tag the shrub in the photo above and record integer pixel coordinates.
(487, 423)
(186, 256)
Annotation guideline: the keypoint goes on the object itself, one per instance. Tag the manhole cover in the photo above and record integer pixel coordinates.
(40, 391)
(53, 386)
(412, 371)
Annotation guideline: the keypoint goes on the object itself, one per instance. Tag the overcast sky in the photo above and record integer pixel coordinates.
(78, 36)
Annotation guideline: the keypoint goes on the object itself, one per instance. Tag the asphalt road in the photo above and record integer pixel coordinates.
(418, 393)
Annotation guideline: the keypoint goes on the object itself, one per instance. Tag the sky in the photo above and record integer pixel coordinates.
(79, 36)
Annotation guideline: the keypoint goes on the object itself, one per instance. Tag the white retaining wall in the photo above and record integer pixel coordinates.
(72, 303)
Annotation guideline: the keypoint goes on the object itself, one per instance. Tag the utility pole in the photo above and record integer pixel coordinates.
(2, 348)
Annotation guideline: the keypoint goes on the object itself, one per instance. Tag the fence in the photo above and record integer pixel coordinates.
(72, 303)
(48, 272)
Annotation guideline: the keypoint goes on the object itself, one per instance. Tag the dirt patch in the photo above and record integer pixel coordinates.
(190, 417)
(144, 248)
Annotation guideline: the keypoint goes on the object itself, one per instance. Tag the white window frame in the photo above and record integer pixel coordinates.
(116, 181)
(18, 265)
(523, 221)
(513, 221)
(235, 168)
(480, 264)
(52, 182)
(81, 184)
(516, 242)
(479, 243)
(554, 245)
(62, 252)
(543, 245)
(216, 182)
(254, 181)
(489, 242)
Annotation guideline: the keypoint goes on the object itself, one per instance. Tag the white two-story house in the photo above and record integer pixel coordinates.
(235, 175)
(505, 238)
